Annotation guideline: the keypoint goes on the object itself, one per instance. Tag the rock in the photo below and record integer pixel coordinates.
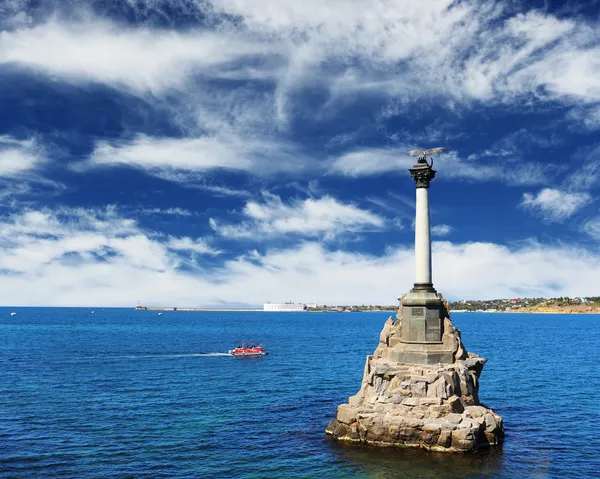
(454, 418)
(331, 426)
(385, 332)
(464, 445)
(355, 400)
(445, 439)
(354, 436)
(382, 369)
(463, 434)
(475, 411)
(411, 401)
(439, 389)
(376, 433)
(346, 414)
(456, 405)
(430, 401)
(341, 430)
(418, 388)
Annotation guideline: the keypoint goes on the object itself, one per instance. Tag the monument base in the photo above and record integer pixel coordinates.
(429, 401)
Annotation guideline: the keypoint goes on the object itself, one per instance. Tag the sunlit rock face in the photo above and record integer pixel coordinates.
(419, 393)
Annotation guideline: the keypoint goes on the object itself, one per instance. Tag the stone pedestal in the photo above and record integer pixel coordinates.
(420, 387)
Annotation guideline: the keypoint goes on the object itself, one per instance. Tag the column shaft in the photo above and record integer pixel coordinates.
(422, 238)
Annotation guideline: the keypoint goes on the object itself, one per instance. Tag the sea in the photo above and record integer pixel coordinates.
(118, 393)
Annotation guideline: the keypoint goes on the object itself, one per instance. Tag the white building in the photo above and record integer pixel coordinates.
(284, 307)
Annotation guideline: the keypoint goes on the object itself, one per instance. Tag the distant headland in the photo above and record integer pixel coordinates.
(562, 305)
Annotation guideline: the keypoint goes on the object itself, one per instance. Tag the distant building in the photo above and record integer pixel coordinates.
(283, 307)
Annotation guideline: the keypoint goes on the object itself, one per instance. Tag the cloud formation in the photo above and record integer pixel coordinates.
(19, 156)
(554, 205)
(87, 257)
(324, 217)
(378, 161)
(140, 59)
(236, 100)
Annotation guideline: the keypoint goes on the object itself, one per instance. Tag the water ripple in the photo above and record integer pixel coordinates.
(124, 395)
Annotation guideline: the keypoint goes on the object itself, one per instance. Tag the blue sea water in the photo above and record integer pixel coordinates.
(122, 393)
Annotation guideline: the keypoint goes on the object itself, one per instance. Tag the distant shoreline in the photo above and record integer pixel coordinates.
(527, 312)
(259, 310)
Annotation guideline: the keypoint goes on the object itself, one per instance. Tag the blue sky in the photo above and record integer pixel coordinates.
(196, 152)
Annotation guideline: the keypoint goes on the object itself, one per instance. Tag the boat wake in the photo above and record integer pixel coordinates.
(147, 356)
(208, 354)
(168, 356)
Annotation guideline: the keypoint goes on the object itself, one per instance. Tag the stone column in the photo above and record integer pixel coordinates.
(422, 174)
(422, 239)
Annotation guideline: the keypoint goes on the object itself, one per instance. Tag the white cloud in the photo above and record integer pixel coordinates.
(372, 161)
(19, 156)
(467, 50)
(34, 240)
(97, 258)
(587, 118)
(376, 161)
(190, 154)
(592, 227)
(554, 205)
(170, 158)
(326, 217)
(198, 245)
(166, 211)
(441, 230)
(139, 59)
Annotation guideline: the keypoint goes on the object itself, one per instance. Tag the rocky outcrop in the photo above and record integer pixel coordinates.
(432, 406)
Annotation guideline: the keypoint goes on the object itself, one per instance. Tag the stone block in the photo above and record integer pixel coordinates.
(411, 401)
(354, 436)
(453, 382)
(331, 426)
(432, 427)
(375, 434)
(454, 418)
(346, 414)
(418, 388)
(385, 332)
(355, 400)
(438, 389)
(463, 434)
(464, 445)
(492, 439)
(444, 439)
(491, 423)
(341, 430)
(455, 404)
(430, 437)
(475, 411)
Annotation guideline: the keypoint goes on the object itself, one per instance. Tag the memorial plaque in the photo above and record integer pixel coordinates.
(433, 329)
(418, 312)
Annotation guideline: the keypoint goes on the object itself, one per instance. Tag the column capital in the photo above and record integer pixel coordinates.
(422, 173)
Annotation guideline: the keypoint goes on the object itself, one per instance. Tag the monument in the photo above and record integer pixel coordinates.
(420, 386)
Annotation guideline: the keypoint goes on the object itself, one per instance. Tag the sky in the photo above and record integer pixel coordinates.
(233, 152)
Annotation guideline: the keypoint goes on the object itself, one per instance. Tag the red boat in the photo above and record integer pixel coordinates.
(248, 349)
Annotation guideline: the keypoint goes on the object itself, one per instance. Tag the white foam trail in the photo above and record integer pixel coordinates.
(206, 354)
(162, 356)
